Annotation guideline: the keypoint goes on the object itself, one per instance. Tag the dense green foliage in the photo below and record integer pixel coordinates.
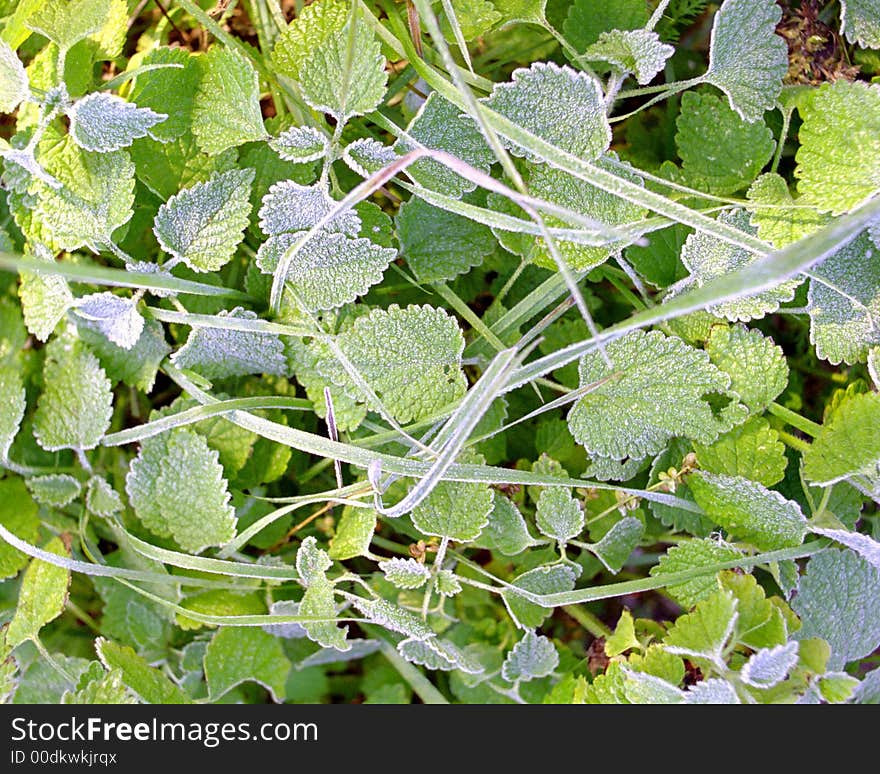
(470, 351)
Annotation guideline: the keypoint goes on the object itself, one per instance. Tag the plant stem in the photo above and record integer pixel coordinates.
(588, 620)
(794, 419)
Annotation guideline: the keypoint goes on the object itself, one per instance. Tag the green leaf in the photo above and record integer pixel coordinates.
(137, 366)
(394, 618)
(18, 514)
(96, 686)
(167, 90)
(54, 490)
(747, 59)
(779, 218)
(74, 409)
(12, 408)
(837, 687)
(708, 258)
(720, 152)
(318, 602)
(639, 52)
(69, 22)
(226, 108)
(41, 597)
(752, 450)
(150, 684)
(704, 632)
(506, 531)
(749, 511)
(618, 543)
(770, 666)
(14, 87)
(439, 125)
(439, 245)
(237, 655)
(844, 303)
(410, 357)
(103, 122)
(312, 562)
(756, 365)
(655, 390)
(191, 493)
(839, 600)
(101, 498)
(866, 547)
(533, 656)
(334, 56)
(116, 317)
(643, 688)
(848, 443)
(203, 225)
(542, 580)
(45, 299)
(559, 516)
(455, 510)
(624, 636)
(474, 18)
(290, 208)
(300, 144)
(712, 691)
(760, 622)
(557, 104)
(838, 161)
(689, 555)
(588, 19)
(860, 22)
(405, 573)
(220, 352)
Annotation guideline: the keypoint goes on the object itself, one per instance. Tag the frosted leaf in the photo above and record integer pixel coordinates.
(405, 573)
(101, 498)
(749, 511)
(533, 656)
(447, 583)
(866, 547)
(559, 515)
(226, 110)
(542, 580)
(707, 258)
(770, 666)
(367, 156)
(54, 490)
(423, 653)
(785, 219)
(838, 161)
(439, 245)
(14, 87)
(455, 510)
(114, 316)
(192, 494)
(394, 618)
(329, 270)
(839, 600)
(644, 688)
(359, 649)
(24, 158)
(633, 51)
(440, 125)
(711, 691)
(658, 388)
(311, 562)
(300, 144)
(756, 365)
(410, 357)
(562, 106)
(747, 59)
(137, 366)
(860, 22)
(219, 352)
(353, 533)
(868, 691)
(141, 483)
(704, 632)
(12, 408)
(720, 152)
(339, 70)
(291, 207)
(844, 303)
(104, 122)
(74, 409)
(203, 225)
(752, 450)
(506, 531)
(169, 90)
(241, 654)
(689, 555)
(69, 22)
(287, 631)
(45, 299)
(874, 366)
(618, 543)
(849, 442)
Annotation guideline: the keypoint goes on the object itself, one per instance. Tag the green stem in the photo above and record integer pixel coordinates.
(467, 314)
(794, 419)
(420, 684)
(793, 441)
(588, 620)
